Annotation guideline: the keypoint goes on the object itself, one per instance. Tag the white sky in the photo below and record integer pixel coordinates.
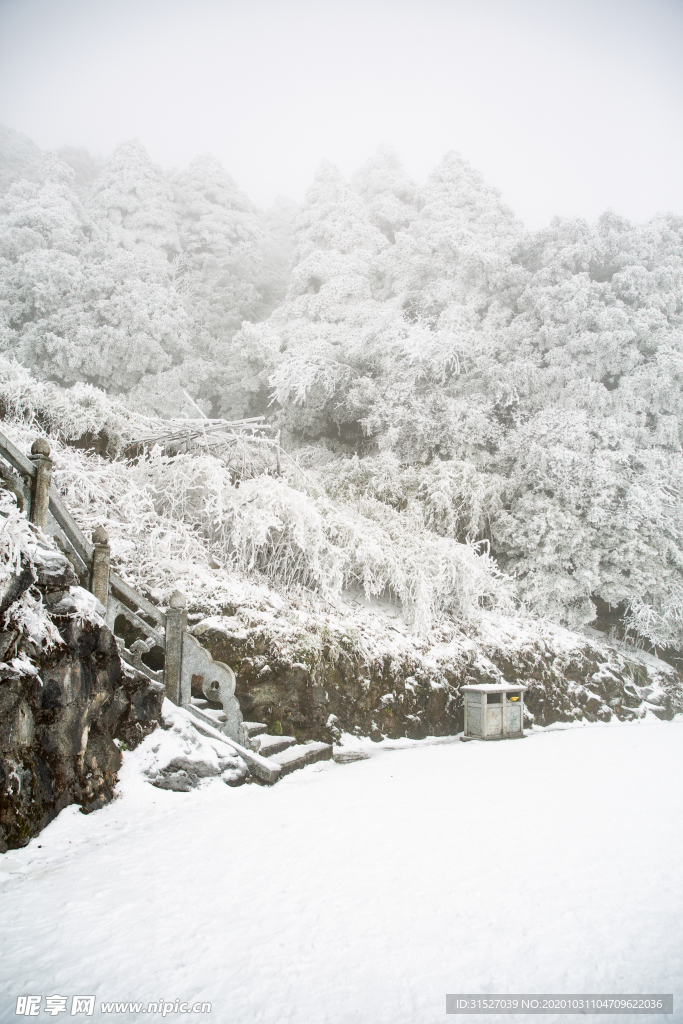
(567, 106)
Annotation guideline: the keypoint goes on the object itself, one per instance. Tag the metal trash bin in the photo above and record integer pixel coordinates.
(494, 711)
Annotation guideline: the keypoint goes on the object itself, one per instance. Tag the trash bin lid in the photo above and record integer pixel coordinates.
(517, 688)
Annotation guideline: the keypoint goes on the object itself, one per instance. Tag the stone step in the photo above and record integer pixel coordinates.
(262, 768)
(199, 702)
(217, 716)
(274, 744)
(254, 729)
(300, 755)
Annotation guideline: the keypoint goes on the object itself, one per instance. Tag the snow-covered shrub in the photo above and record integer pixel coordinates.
(181, 519)
(19, 546)
(17, 541)
(452, 497)
(67, 413)
(430, 575)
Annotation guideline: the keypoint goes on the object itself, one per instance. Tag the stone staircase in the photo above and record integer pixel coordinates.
(282, 753)
(154, 641)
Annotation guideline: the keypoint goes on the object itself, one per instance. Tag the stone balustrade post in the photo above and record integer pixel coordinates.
(99, 576)
(176, 624)
(40, 495)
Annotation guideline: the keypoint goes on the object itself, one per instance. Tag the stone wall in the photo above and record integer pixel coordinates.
(315, 684)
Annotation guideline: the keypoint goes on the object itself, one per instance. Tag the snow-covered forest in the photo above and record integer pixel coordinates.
(477, 415)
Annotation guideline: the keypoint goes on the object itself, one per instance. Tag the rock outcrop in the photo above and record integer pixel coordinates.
(68, 707)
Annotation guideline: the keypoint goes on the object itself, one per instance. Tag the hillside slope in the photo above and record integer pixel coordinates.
(334, 620)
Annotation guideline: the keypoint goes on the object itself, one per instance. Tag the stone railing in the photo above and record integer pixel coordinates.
(155, 642)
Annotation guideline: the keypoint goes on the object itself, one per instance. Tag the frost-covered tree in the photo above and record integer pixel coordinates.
(20, 158)
(333, 300)
(459, 240)
(232, 270)
(220, 237)
(521, 391)
(77, 303)
(441, 274)
(85, 167)
(133, 301)
(43, 236)
(131, 203)
(388, 192)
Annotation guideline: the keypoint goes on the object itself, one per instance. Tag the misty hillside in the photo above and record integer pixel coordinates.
(477, 416)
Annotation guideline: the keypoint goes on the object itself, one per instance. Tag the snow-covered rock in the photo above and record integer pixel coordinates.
(65, 697)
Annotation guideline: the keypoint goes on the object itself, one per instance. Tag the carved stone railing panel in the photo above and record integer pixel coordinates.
(139, 649)
(133, 656)
(116, 608)
(216, 680)
(119, 585)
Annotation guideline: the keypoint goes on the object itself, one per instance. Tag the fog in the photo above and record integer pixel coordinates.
(568, 108)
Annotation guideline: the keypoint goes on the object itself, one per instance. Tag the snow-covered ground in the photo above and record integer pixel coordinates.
(362, 893)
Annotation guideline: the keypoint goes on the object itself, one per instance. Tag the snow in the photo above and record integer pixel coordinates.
(88, 606)
(24, 667)
(362, 893)
(493, 688)
(81, 602)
